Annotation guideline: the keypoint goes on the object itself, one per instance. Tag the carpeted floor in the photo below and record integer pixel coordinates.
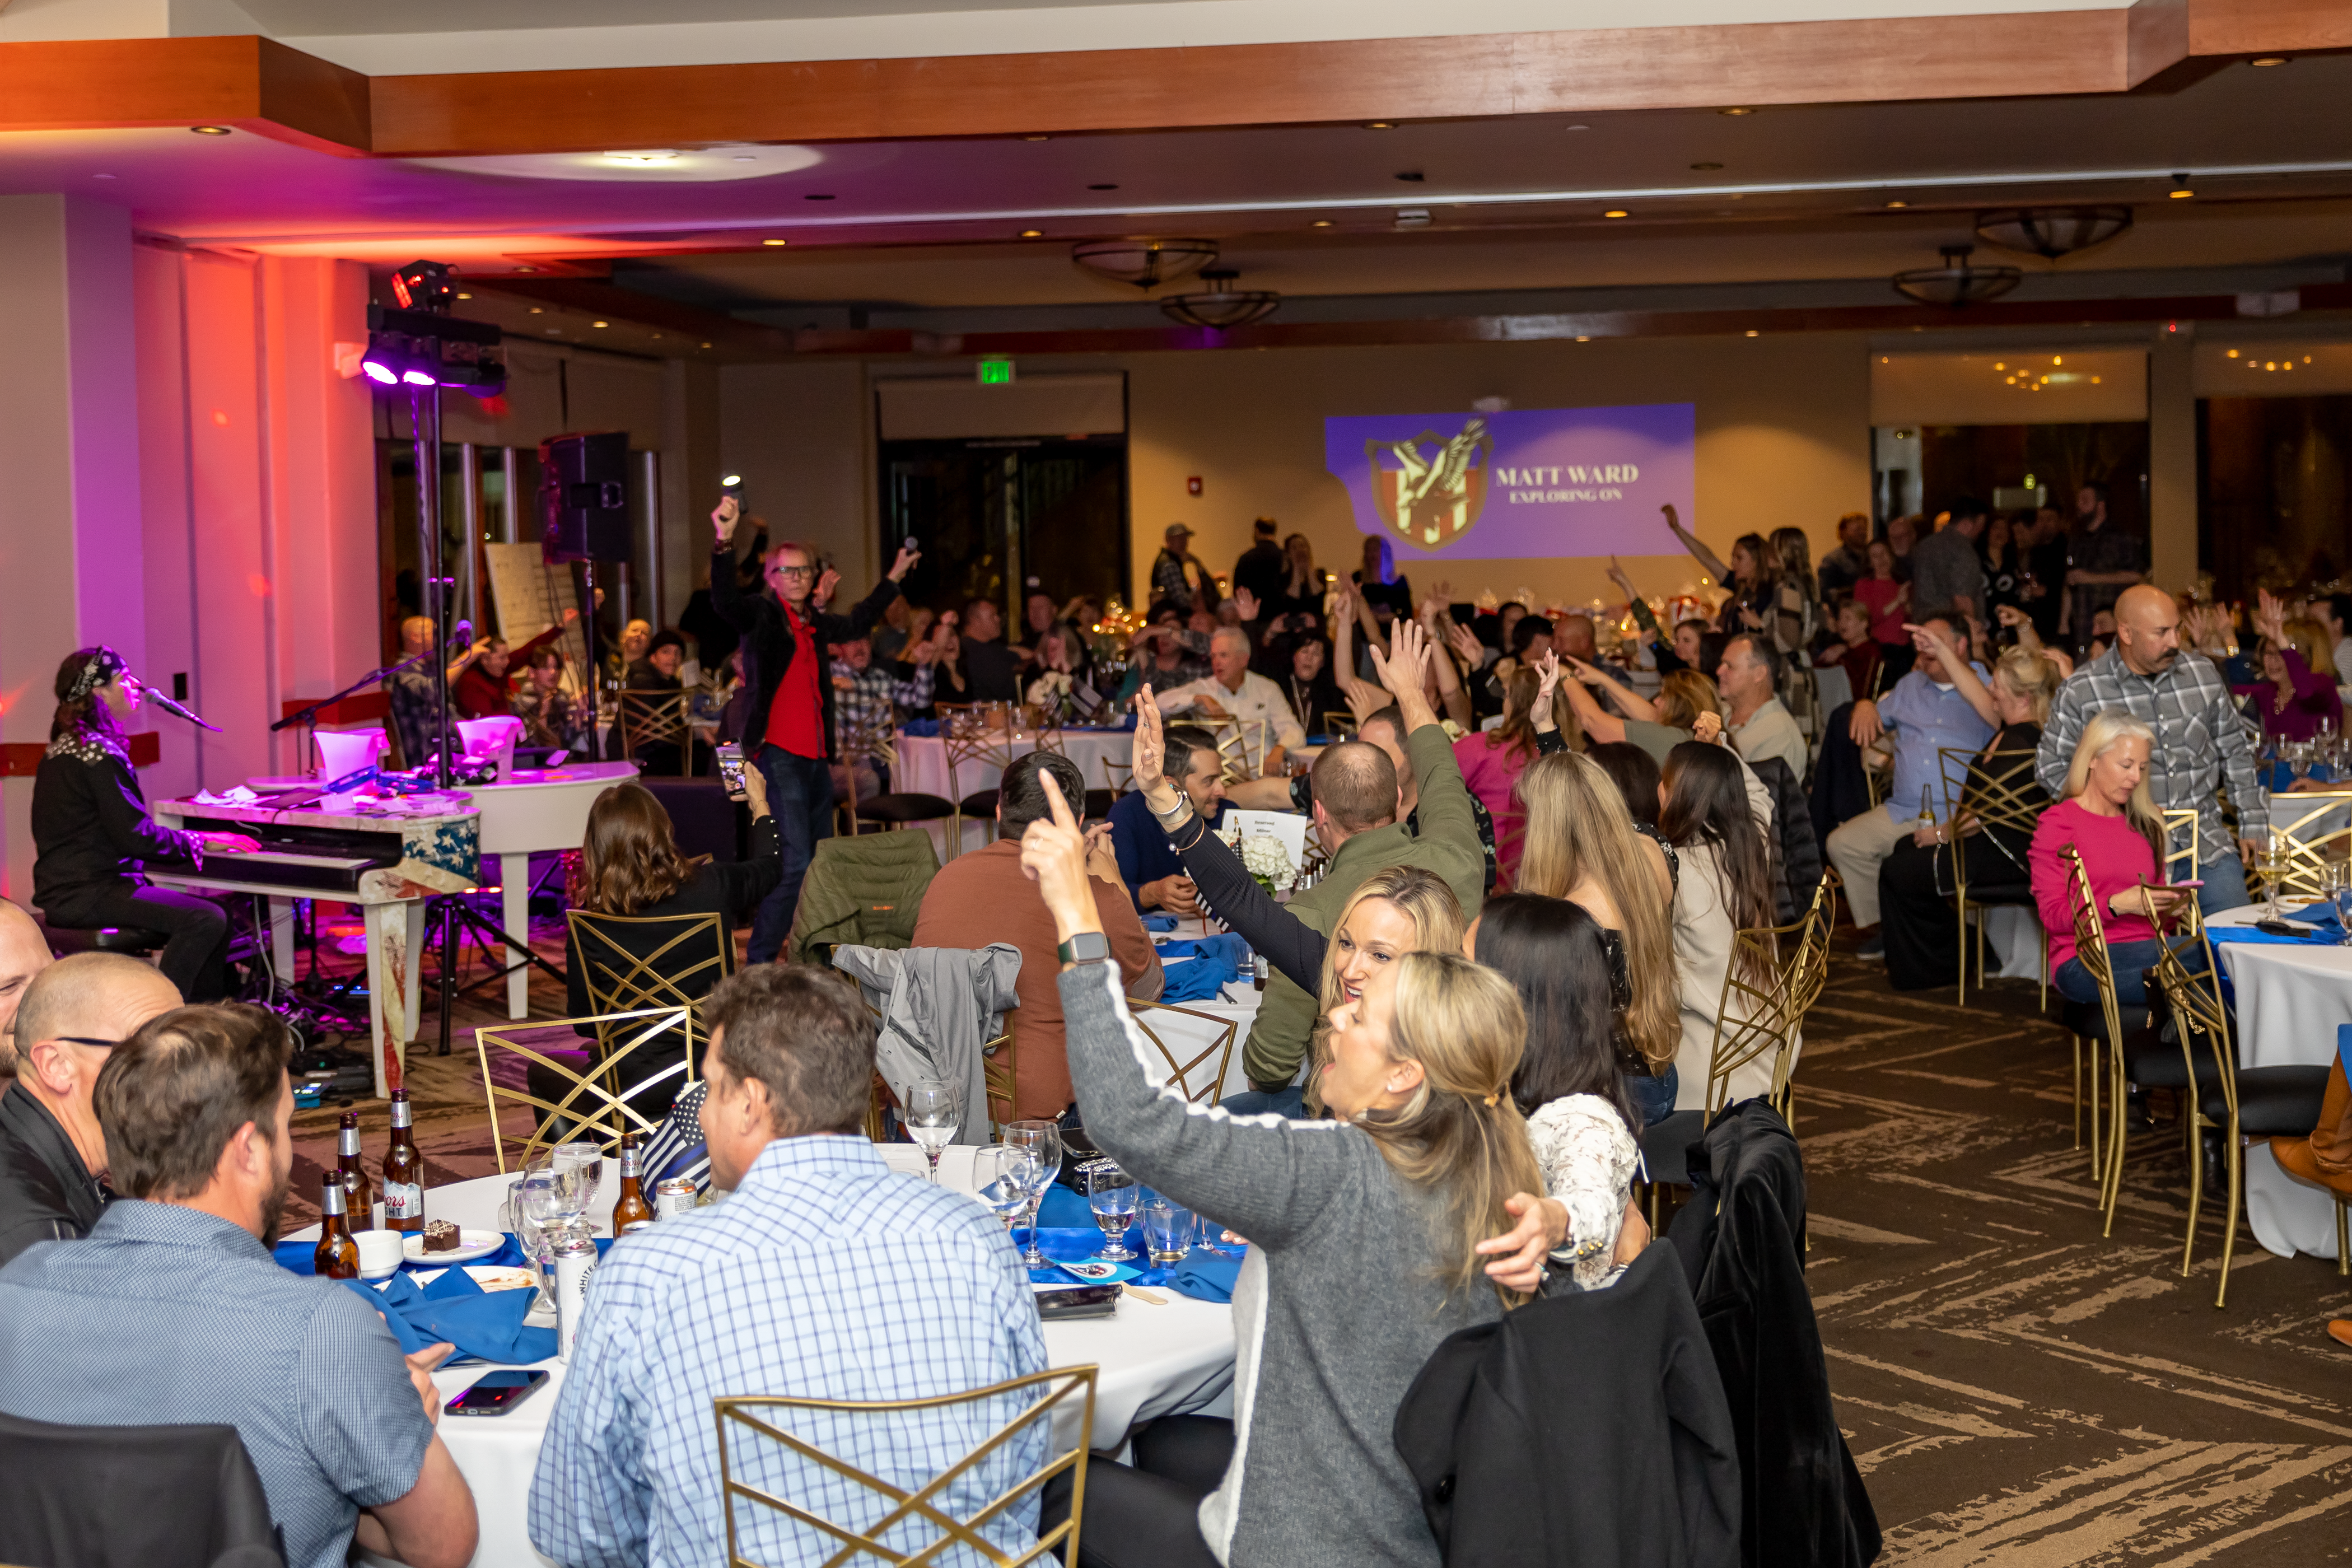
(2017, 1390)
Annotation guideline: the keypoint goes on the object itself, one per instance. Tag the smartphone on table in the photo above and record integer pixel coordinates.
(496, 1393)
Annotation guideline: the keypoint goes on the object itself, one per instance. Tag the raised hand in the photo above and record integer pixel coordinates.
(1547, 670)
(1150, 743)
(1245, 603)
(1466, 644)
(723, 518)
(907, 556)
(822, 593)
(1588, 674)
(1402, 670)
(1708, 728)
(1617, 575)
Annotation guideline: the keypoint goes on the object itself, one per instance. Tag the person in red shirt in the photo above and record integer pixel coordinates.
(789, 735)
(481, 690)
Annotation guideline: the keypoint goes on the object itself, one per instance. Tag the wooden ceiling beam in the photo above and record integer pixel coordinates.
(244, 83)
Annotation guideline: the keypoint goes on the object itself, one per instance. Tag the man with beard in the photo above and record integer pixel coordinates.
(197, 1113)
(52, 1155)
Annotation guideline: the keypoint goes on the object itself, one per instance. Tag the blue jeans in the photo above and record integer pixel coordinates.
(1652, 1098)
(2131, 960)
(799, 796)
(1289, 1103)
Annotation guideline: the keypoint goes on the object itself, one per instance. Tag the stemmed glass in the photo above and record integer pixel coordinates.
(1002, 1176)
(1112, 1194)
(577, 1169)
(540, 1206)
(931, 1113)
(1043, 1138)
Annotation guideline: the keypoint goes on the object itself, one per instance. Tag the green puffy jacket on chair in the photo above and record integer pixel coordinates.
(867, 889)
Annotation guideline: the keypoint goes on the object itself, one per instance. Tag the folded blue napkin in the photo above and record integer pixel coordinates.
(2324, 936)
(2344, 1047)
(928, 726)
(1066, 1209)
(1159, 923)
(1197, 968)
(484, 1325)
(1205, 1275)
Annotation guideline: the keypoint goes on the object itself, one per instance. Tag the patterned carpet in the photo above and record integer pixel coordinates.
(2017, 1390)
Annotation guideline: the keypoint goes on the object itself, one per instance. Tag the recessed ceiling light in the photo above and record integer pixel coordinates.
(706, 345)
(1751, 333)
(775, 242)
(537, 311)
(1898, 203)
(1032, 234)
(1321, 223)
(209, 129)
(555, 331)
(2233, 353)
(1105, 185)
(600, 323)
(1734, 111)
(1379, 125)
(1584, 340)
(816, 196)
(1704, 167)
(526, 269)
(101, 176)
(2268, 60)
(649, 156)
(1036, 138)
(656, 337)
(1576, 127)
(2182, 195)
(1616, 211)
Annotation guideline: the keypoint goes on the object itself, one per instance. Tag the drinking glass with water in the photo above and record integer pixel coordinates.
(931, 1116)
(1112, 1194)
(1168, 1227)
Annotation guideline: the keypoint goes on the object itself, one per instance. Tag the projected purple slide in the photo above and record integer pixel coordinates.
(1520, 483)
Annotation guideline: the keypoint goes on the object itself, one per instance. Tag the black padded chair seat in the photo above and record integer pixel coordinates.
(2151, 1061)
(2280, 1102)
(1099, 805)
(905, 807)
(66, 940)
(2089, 1020)
(1666, 1146)
(980, 803)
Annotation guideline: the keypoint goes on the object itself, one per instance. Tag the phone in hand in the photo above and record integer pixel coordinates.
(730, 769)
(497, 1393)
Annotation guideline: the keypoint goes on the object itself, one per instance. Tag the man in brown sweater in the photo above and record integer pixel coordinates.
(982, 896)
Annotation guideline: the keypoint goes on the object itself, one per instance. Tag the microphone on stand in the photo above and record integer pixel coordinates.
(168, 706)
(462, 637)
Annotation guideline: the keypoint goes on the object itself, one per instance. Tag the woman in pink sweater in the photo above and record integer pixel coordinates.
(1491, 764)
(2108, 815)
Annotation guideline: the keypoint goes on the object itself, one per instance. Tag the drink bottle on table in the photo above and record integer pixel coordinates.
(404, 1172)
(359, 1192)
(630, 1211)
(337, 1256)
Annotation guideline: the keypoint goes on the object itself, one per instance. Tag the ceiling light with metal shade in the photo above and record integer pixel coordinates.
(2053, 232)
(1222, 306)
(1956, 284)
(1146, 263)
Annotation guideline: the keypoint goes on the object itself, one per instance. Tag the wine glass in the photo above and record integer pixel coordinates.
(1112, 1194)
(1043, 1138)
(930, 1110)
(1002, 1176)
(539, 1200)
(577, 1167)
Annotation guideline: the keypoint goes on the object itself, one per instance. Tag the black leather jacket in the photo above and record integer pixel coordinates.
(45, 1193)
(769, 645)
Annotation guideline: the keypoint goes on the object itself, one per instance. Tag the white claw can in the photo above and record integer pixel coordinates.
(575, 1260)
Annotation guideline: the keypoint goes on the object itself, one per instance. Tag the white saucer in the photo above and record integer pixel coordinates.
(474, 1243)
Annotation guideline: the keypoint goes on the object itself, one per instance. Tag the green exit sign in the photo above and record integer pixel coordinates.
(996, 372)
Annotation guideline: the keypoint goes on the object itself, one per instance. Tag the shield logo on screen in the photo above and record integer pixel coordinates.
(1431, 497)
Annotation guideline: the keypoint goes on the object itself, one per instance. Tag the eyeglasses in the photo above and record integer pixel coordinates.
(85, 1040)
(794, 570)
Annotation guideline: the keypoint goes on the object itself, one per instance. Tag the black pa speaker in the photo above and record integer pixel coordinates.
(583, 497)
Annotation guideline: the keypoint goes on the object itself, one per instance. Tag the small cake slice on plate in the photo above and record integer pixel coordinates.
(440, 1235)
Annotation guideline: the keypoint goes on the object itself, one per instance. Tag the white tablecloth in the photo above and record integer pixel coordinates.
(1171, 1359)
(2289, 1000)
(923, 770)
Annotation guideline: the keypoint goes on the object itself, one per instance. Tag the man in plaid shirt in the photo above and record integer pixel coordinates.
(870, 699)
(2200, 736)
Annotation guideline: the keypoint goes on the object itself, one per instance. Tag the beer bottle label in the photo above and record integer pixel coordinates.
(631, 1163)
(404, 1200)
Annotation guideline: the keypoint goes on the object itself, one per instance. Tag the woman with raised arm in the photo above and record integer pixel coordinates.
(1726, 886)
(1373, 1235)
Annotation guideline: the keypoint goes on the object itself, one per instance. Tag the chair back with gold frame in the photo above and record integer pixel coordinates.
(1197, 1046)
(1119, 776)
(2306, 850)
(1999, 792)
(596, 1103)
(1242, 745)
(2182, 852)
(915, 1525)
(1774, 977)
(656, 718)
(672, 961)
(967, 745)
(2202, 1020)
(1340, 722)
(1000, 1069)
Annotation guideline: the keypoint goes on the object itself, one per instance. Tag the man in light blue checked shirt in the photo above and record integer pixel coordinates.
(2200, 737)
(824, 1275)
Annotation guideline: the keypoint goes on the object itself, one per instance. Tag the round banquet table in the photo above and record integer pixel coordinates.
(923, 770)
(2290, 1001)
(1173, 1358)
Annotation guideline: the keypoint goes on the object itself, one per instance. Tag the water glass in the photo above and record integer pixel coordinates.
(1112, 1194)
(1043, 1138)
(1004, 1177)
(931, 1115)
(539, 1200)
(577, 1168)
(1167, 1229)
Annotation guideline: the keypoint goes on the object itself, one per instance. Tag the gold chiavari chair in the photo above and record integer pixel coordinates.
(2101, 1026)
(972, 745)
(1118, 777)
(1187, 1041)
(1243, 746)
(1000, 1071)
(2182, 852)
(598, 1103)
(1998, 793)
(2306, 851)
(915, 1528)
(660, 720)
(1340, 723)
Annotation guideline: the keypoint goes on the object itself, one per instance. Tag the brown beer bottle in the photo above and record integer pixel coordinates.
(630, 1211)
(359, 1192)
(338, 1256)
(404, 1172)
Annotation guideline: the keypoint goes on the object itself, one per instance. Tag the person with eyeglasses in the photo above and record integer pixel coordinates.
(790, 734)
(52, 1154)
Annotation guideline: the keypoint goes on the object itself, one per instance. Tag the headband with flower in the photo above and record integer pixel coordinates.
(102, 666)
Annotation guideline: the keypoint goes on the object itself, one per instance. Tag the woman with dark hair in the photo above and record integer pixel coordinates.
(1491, 761)
(91, 833)
(630, 864)
(1571, 1083)
(1635, 774)
(1307, 684)
(1302, 587)
(1726, 886)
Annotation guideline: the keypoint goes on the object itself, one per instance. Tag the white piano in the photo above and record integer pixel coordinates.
(538, 811)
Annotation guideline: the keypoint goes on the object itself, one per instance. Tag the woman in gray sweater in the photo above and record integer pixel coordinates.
(1372, 1237)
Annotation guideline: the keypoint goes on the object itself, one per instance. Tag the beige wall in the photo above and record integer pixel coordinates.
(1783, 440)
(802, 436)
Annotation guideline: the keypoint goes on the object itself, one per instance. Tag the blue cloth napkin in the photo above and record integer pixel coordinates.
(484, 1325)
(1205, 1275)
(1159, 923)
(930, 727)
(1074, 1244)
(2344, 1047)
(2248, 937)
(1197, 968)
(1066, 1209)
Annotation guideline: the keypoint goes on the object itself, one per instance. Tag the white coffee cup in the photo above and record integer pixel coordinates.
(380, 1253)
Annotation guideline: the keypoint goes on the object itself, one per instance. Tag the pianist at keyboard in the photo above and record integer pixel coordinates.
(92, 832)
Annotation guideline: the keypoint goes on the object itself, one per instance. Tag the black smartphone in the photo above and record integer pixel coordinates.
(730, 769)
(497, 1392)
(1078, 1301)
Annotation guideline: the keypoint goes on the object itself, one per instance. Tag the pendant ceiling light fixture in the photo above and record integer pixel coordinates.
(1146, 263)
(1956, 283)
(1222, 306)
(2053, 232)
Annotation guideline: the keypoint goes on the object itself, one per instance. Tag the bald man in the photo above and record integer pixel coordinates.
(52, 1154)
(23, 955)
(2200, 737)
(416, 704)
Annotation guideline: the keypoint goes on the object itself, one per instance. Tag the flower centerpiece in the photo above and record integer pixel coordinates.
(1264, 859)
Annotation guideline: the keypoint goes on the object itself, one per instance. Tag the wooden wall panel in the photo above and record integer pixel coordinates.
(2268, 26)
